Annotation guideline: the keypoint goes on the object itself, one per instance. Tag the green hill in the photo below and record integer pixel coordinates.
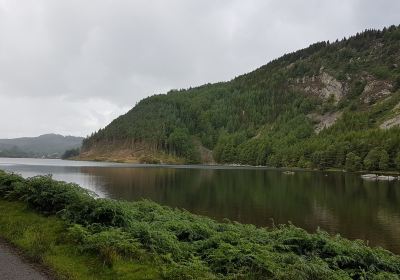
(331, 105)
(47, 145)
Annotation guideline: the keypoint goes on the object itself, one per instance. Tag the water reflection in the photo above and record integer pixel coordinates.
(337, 202)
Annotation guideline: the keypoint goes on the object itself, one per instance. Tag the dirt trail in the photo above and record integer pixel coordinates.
(15, 267)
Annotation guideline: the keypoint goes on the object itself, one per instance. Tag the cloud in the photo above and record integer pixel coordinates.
(22, 116)
(117, 52)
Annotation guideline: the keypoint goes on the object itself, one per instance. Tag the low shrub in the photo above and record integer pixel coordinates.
(186, 246)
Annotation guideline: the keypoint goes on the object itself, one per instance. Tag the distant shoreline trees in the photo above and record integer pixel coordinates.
(71, 153)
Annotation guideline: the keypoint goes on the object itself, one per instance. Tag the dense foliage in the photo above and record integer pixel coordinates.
(265, 117)
(46, 241)
(71, 153)
(186, 246)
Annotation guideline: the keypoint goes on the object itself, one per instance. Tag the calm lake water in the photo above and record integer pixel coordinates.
(336, 202)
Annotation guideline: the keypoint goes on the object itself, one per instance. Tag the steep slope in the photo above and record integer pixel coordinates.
(47, 145)
(329, 105)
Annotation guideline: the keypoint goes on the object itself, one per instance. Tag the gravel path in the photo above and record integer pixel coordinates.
(15, 267)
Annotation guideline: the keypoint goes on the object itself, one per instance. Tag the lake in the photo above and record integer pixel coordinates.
(334, 201)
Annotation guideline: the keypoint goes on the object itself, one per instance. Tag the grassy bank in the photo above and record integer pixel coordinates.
(81, 237)
(45, 240)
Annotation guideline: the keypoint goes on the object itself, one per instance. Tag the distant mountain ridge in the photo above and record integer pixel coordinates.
(46, 145)
(331, 105)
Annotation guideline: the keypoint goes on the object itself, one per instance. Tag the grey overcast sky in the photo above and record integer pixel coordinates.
(70, 67)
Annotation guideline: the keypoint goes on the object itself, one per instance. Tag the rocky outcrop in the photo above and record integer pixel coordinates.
(375, 90)
(323, 86)
(331, 87)
(326, 86)
(324, 121)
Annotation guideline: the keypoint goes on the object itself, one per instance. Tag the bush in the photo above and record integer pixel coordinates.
(376, 159)
(108, 244)
(71, 153)
(353, 162)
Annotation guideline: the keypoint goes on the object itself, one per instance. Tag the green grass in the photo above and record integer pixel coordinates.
(80, 237)
(43, 240)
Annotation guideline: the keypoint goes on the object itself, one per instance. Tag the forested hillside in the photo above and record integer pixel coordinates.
(47, 145)
(331, 105)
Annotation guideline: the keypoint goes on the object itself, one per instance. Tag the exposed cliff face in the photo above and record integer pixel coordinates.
(327, 88)
(375, 90)
(323, 86)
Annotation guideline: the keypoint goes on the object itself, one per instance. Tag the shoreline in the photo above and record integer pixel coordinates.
(168, 242)
(245, 166)
(219, 166)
